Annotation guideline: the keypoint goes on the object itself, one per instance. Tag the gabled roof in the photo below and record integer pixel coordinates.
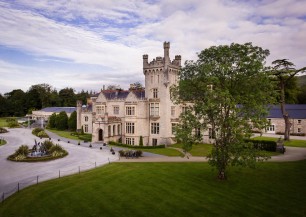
(59, 109)
(296, 111)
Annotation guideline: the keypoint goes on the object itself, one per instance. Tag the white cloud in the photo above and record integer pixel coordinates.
(114, 34)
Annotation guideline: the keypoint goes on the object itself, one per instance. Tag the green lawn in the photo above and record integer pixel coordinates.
(67, 134)
(167, 189)
(292, 142)
(198, 150)
(2, 142)
(3, 122)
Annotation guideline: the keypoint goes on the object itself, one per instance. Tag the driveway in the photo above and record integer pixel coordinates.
(11, 173)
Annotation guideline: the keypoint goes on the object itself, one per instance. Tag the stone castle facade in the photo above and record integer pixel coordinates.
(128, 116)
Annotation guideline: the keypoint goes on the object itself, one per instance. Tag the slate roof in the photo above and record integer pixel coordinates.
(122, 94)
(295, 111)
(59, 109)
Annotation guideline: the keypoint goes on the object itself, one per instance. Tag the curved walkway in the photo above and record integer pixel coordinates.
(79, 159)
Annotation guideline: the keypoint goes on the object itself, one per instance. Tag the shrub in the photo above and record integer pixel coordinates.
(22, 150)
(12, 124)
(3, 130)
(61, 121)
(43, 134)
(130, 153)
(136, 147)
(57, 151)
(140, 141)
(35, 131)
(297, 134)
(48, 144)
(292, 134)
(263, 145)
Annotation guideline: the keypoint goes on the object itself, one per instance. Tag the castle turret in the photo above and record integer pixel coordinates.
(79, 111)
(166, 52)
(145, 60)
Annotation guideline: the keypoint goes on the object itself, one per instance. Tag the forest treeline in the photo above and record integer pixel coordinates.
(19, 103)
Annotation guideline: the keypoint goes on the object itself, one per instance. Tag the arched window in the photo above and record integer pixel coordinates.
(114, 130)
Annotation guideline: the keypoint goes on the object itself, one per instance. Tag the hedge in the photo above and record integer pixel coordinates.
(292, 134)
(263, 144)
(135, 147)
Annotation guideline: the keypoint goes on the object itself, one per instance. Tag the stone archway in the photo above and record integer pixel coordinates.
(100, 133)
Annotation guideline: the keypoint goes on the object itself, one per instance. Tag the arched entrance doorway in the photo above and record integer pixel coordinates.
(100, 135)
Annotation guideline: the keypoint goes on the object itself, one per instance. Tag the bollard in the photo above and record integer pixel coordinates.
(95, 164)
(108, 161)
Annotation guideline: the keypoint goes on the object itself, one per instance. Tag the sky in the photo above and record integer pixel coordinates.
(85, 44)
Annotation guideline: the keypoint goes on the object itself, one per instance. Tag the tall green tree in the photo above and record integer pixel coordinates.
(226, 91)
(16, 103)
(3, 106)
(67, 97)
(61, 121)
(44, 91)
(72, 121)
(52, 121)
(284, 71)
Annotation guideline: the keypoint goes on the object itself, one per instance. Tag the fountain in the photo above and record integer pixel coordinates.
(38, 150)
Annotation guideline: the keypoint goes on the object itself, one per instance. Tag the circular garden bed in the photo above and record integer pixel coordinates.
(44, 151)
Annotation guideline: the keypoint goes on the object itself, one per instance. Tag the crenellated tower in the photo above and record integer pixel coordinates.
(160, 74)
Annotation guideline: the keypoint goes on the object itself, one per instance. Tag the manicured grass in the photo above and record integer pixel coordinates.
(292, 142)
(67, 134)
(198, 150)
(201, 150)
(167, 189)
(2, 142)
(3, 122)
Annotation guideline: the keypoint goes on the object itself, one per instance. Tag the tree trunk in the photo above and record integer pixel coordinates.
(221, 174)
(284, 112)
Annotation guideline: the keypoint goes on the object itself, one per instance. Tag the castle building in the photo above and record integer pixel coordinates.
(131, 115)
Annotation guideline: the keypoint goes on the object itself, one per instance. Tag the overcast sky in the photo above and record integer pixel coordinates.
(85, 44)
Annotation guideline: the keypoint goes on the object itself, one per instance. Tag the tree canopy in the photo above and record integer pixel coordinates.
(284, 72)
(226, 91)
(19, 103)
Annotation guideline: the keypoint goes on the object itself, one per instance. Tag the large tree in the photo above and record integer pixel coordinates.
(226, 91)
(72, 121)
(284, 72)
(67, 97)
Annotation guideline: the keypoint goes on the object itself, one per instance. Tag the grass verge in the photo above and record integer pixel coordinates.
(2, 142)
(67, 134)
(167, 189)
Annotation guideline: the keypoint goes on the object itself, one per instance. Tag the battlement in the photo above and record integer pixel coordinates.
(162, 61)
(166, 45)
